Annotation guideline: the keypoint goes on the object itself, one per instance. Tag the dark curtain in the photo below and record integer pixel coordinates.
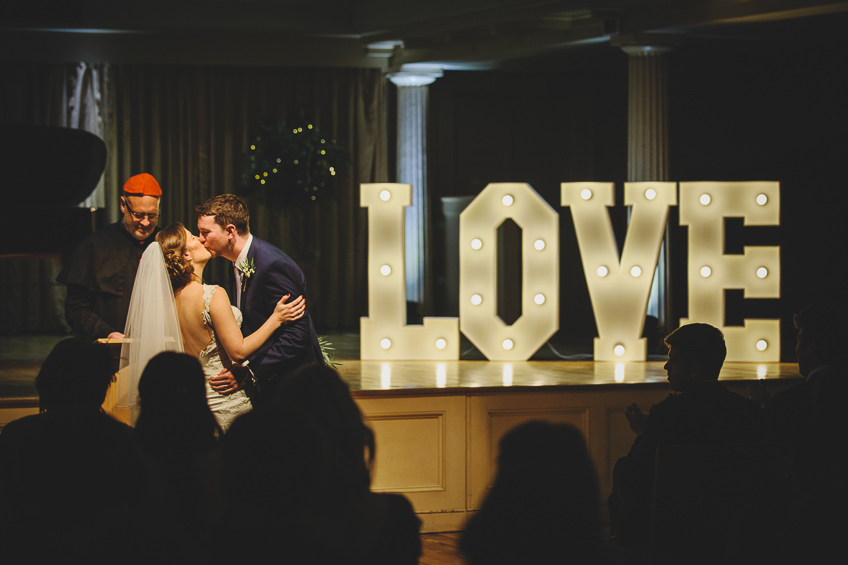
(189, 127)
(67, 95)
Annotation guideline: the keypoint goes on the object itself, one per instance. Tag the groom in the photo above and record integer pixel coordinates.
(262, 275)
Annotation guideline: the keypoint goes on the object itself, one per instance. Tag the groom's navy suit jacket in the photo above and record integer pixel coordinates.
(294, 343)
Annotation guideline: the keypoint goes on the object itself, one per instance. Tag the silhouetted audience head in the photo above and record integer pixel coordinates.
(66, 473)
(544, 504)
(175, 415)
(303, 465)
(696, 352)
(822, 334)
(76, 375)
(281, 466)
(279, 460)
(319, 393)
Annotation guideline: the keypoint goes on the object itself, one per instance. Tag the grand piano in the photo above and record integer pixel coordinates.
(46, 173)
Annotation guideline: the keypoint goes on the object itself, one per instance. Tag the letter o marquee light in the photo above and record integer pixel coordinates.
(539, 271)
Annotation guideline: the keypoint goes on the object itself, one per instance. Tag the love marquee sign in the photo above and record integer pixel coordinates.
(619, 286)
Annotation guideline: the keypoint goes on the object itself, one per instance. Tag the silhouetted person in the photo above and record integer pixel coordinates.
(543, 506)
(700, 411)
(808, 420)
(179, 438)
(822, 334)
(64, 472)
(305, 466)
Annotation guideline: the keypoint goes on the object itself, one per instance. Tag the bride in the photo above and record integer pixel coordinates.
(197, 319)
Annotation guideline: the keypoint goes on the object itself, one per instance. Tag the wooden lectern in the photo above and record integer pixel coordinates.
(110, 405)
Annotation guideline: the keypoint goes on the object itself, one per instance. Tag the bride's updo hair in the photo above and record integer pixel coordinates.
(172, 240)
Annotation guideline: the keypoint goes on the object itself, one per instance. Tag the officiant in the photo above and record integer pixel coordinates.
(100, 272)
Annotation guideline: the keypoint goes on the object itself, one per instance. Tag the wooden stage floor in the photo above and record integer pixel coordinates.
(21, 357)
(417, 376)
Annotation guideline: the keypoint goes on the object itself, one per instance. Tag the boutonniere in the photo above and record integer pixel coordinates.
(247, 270)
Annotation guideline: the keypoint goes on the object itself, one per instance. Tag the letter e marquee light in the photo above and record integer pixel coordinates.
(478, 292)
(384, 334)
(703, 207)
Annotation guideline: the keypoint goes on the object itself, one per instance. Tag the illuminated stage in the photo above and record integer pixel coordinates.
(418, 376)
(438, 423)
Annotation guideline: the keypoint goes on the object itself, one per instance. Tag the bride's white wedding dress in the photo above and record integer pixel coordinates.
(153, 327)
(225, 407)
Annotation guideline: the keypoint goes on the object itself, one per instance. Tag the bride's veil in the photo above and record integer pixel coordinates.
(152, 325)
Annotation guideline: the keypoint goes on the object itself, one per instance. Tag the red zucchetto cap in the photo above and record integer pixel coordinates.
(142, 185)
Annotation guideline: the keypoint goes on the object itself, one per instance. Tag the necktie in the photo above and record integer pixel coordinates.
(238, 286)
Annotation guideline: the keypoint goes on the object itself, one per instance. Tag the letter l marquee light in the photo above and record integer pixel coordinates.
(384, 334)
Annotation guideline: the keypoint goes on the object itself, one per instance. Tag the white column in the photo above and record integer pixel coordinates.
(647, 146)
(412, 169)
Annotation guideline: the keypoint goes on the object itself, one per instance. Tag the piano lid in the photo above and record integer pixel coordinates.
(45, 172)
(49, 166)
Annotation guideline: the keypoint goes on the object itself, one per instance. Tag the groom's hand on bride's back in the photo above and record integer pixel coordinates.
(225, 382)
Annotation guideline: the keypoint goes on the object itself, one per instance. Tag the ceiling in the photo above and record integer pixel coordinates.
(449, 34)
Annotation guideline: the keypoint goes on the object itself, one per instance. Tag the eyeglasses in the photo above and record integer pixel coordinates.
(138, 215)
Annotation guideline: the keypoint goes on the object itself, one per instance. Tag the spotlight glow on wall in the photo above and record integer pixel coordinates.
(539, 270)
(386, 321)
(756, 270)
(619, 294)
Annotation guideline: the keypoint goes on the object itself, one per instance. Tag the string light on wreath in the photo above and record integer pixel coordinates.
(285, 158)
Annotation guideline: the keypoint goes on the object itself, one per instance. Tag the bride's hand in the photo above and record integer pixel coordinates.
(289, 312)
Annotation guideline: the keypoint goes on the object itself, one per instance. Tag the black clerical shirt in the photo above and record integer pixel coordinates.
(99, 275)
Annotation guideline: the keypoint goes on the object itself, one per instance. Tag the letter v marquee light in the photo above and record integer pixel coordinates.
(619, 289)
